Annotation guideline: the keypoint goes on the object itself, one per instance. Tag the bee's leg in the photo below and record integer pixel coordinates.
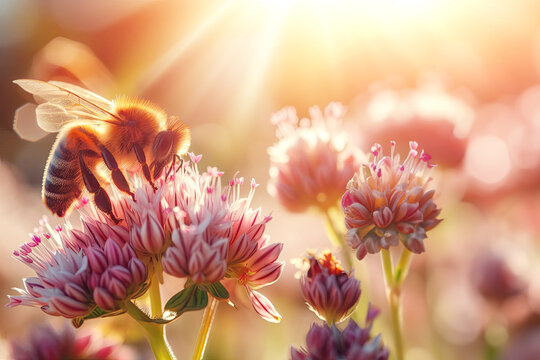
(117, 175)
(139, 152)
(101, 198)
(173, 165)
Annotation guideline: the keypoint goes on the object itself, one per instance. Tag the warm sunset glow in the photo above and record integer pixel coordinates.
(405, 132)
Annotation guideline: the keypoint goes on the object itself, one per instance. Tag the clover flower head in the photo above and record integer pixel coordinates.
(438, 117)
(44, 342)
(329, 291)
(60, 286)
(198, 223)
(324, 342)
(77, 270)
(216, 235)
(389, 201)
(311, 163)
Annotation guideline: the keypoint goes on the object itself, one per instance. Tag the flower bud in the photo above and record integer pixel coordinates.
(117, 276)
(194, 255)
(149, 237)
(329, 291)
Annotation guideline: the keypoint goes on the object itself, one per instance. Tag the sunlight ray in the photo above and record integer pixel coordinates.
(256, 73)
(163, 64)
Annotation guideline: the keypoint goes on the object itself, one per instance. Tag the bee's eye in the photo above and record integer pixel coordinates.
(163, 144)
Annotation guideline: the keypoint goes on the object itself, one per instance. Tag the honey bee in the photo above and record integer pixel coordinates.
(97, 136)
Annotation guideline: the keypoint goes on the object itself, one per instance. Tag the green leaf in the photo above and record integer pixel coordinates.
(77, 322)
(198, 301)
(217, 290)
(180, 300)
(190, 299)
(97, 312)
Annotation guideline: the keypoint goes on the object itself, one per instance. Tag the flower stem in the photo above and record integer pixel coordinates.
(158, 341)
(204, 333)
(403, 266)
(387, 267)
(156, 332)
(337, 238)
(155, 296)
(393, 291)
(393, 299)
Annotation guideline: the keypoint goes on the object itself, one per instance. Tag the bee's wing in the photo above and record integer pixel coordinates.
(25, 124)
(61, 104)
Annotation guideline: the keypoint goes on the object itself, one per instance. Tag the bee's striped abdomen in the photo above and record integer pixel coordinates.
(61, 183)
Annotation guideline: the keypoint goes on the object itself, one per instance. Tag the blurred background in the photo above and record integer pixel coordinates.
(461, 78)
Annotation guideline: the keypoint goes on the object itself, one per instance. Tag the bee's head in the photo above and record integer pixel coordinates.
(175, 140)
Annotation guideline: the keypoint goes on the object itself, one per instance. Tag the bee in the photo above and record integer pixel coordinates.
(95, 137)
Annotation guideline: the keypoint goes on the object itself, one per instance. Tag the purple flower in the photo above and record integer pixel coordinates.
(330, 292)
(77, 270)
(325, 342)
(46, 343)
(494, 279)
(116, 274)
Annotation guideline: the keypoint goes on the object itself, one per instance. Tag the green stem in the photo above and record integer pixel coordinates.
(206, 325)
(156, 332)
(393, 299)
(403, 266)
(337, 238)
(393, 291)
(387, 267)
(155, 296)
(158, 341)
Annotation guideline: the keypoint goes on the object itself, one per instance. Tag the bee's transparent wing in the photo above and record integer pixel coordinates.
(61, 104)
(25, 124)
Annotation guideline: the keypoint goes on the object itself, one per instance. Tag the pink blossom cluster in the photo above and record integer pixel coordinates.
(77, 271)
(312, 162)
(217, 235)
(389, 201)
(191, 227)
